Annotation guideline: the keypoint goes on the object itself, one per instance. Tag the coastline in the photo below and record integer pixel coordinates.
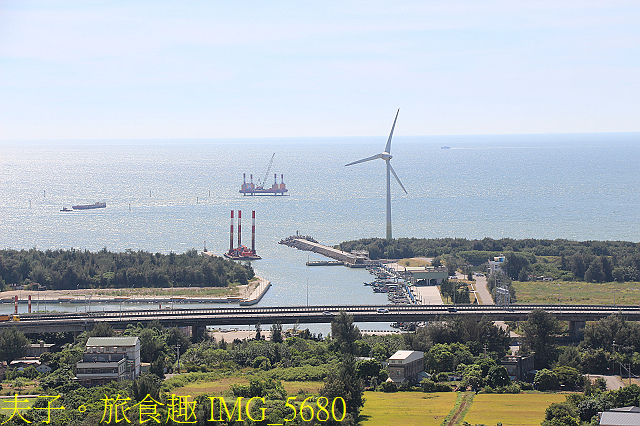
(248, 294)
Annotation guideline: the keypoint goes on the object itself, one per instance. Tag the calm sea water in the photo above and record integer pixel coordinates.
(173, 195)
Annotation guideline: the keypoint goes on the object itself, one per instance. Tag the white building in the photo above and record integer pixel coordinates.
(496, 264)
(109, 358)
(405, 366)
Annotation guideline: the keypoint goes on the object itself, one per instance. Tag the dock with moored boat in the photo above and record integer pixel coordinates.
(306, 243)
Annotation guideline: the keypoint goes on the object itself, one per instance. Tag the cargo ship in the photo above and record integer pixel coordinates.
(250, 188)
(97, 205)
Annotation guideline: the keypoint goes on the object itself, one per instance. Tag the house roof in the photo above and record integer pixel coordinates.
(112, 341)
(620, 418)
(406, 356)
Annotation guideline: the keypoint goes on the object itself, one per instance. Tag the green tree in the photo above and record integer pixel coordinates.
(258, 331)
(13, 344)
(102, 329)
(368, 368)
(146, 384)
(546, 380)
(473, 378)
(176, 337)
(595, 272)
(514, 264)
(498, 376)
(151, 345)
(539, 333)
(568, 377)
(276, 332)
(569, 357)
(345, 333)
(561, 414)
(440, 358)
(345, 382)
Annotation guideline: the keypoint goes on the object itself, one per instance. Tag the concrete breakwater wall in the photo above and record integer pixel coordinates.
(309, 244)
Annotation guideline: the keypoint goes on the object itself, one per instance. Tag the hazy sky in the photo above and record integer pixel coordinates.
(209, 69)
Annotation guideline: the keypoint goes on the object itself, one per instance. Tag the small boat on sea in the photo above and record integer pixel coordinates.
(96, 205)
(64, 209)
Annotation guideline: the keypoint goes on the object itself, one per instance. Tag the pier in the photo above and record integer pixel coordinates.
(325, 263)
(306, 243)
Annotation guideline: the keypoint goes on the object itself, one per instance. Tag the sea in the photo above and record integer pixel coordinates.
(176, 195)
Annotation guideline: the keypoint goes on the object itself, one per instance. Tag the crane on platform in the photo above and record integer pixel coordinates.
(266, 174)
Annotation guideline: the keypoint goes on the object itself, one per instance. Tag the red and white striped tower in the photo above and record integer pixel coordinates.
(231, 235)
(253, 232)
(239, 228)
(29, 303)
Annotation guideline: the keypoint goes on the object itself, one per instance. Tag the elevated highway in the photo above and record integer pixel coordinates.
(576, 315)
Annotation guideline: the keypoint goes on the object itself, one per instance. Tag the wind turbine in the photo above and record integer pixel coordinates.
(386, 156)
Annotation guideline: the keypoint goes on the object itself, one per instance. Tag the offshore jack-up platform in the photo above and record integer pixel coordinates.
(250, 188)
(243, 252)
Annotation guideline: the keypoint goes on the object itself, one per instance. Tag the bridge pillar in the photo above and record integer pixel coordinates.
(576, 329)
(198, 332)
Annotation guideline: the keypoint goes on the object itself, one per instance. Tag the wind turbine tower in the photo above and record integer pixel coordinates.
(386, 156)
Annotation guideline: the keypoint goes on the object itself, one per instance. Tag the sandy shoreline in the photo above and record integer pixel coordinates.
(97, 294)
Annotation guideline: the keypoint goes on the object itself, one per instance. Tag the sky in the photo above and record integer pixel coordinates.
(212, 69)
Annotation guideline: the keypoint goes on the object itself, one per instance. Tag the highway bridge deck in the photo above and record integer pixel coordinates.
(79, 321)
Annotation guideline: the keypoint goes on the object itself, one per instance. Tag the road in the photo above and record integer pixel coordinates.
(482, 293)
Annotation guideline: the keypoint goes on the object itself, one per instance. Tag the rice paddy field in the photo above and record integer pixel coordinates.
(577, 292)
(409, 408)
(524, 409)
(414, 408)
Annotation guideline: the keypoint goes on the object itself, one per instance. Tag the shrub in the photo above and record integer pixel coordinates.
(405, 386)
(428, 385)
(511, 388)
(443, 387)
(487, 389)
(389, 387)
(525, 385)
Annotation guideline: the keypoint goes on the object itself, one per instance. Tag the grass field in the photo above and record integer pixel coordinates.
(7, 404)
(219, 387)
(406, 408)
(524, 409)
(577, 292)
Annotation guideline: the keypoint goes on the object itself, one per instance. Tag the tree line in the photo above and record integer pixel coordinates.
(71, 269)
(593, 261)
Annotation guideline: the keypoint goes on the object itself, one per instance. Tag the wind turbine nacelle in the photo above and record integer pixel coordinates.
(386, 156)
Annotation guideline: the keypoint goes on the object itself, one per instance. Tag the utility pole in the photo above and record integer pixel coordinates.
(178, 351)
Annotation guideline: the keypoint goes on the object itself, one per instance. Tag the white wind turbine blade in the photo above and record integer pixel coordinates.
(373, 157)
(388, 147)
(397, 178)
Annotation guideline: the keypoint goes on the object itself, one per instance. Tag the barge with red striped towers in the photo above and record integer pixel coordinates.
(242, 252)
